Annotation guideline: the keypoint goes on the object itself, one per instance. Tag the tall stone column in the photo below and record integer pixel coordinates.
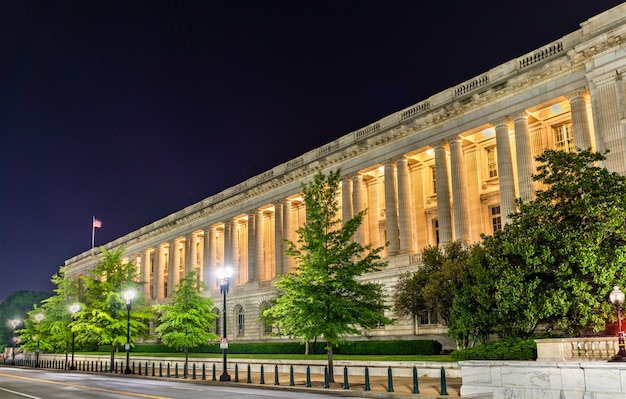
(346, 199)
(580, 121)
(252, 261)
(443, 195)
(391, 209)
(505, 169)
(460, 195)
(259, 234)
(146, 271)
(358, 203)
(208, 260)
(159, 278)
(278, 238)
(405, 217)
(524, 157)
(190, 253)
(228, 244)
(288, 234)
(173, 268)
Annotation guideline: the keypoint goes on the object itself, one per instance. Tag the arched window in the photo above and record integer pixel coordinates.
(266, 328)
(240, 321)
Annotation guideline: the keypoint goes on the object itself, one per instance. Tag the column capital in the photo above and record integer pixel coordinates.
(501, 121)
(439, 144)
(457, 138)
(520, 115)
(578, 94)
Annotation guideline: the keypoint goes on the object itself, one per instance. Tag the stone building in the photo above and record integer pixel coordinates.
(447, 168)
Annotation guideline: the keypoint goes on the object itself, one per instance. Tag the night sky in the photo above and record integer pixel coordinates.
(132, 110)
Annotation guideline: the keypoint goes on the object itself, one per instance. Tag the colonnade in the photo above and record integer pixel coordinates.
(422, 197)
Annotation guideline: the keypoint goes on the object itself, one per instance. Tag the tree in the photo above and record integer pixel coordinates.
(16, 307)
(567, 247)
(189, 320)
(102, 320)
(326, 296)
(53, 332)
(434, 285)
(474, 309)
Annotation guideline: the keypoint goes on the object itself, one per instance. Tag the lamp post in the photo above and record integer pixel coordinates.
(129, 296)
(39, 318)
(74, 308)
(14, 323)
(617, 298)
(224, 274)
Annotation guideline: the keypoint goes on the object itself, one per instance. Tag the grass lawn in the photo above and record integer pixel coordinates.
(379, 358)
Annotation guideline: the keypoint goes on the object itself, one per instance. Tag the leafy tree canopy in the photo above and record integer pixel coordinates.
(189, 320)
(326, 296)
(16, 307)
(567, 247)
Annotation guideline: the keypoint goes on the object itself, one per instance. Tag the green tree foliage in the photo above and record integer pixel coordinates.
(563, 252)
(103, 317)
(325, 295)
(16, 307)
(474, 308)
(435, 284)
(187, 323)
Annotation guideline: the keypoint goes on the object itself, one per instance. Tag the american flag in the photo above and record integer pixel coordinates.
(97, 223)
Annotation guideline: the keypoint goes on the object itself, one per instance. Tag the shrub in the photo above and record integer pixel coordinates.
(413, 347)
(504, 349)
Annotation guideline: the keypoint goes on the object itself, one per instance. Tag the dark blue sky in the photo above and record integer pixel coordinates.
(132, 110)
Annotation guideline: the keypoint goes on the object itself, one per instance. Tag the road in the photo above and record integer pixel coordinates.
(20, 383)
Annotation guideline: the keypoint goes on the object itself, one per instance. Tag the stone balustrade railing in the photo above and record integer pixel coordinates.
(576, 349)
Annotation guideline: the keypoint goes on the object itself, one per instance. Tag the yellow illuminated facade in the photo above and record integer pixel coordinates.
(447, 168)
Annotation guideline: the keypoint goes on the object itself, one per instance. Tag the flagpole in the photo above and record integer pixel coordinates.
(93, 232)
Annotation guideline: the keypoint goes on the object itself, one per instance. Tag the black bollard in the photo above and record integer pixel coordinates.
(345, 378)
(249, 380)
(213, 371)
(160, 369)
(193, 370)
(153, 369)
(276, 375)
(168, 371)
(291, 381)
(175, 370)
(262, 376)
(185, 370)
(416, 388)
(326, 384)
(203, 372)
(367, 379)
(389, 380)
(308, 376)
(444, 392)
(236, 372)
(139, 368)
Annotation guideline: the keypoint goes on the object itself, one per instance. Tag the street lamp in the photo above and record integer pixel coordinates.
(74, 308)
(129, 295)
(617, 298)
(39, 318)
(14, 323)
(224, 274)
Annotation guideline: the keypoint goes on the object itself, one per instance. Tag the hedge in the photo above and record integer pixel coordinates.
(396, 347)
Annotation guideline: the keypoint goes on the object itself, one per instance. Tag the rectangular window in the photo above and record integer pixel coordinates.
(436, 231)
(433, 178)
(424, 317)
(492, 162)
(240, 323)
(496, 218)
(563, 137)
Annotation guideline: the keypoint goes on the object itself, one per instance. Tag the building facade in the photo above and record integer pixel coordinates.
(447, 168)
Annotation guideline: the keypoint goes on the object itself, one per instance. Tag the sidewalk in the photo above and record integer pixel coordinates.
(402, 386)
